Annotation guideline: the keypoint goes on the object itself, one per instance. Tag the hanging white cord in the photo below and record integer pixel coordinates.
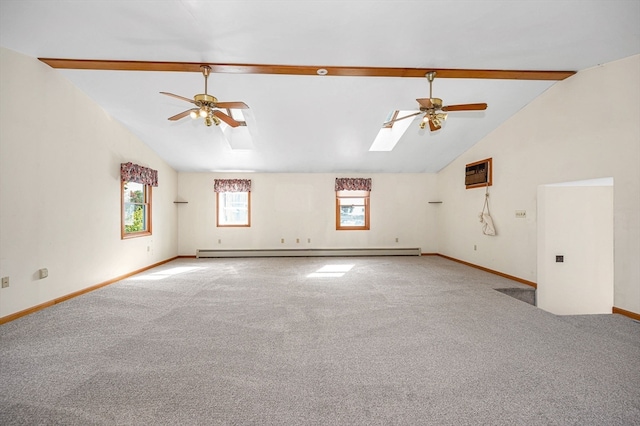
(485, 216)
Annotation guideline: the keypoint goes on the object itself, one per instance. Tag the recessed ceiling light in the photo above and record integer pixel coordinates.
(322, 71)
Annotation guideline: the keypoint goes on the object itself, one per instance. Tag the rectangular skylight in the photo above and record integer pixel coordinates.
(389, 135)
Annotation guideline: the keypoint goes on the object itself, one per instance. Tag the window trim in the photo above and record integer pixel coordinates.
(388, 124)
(367, 209)
(148, 207)
(247, 225)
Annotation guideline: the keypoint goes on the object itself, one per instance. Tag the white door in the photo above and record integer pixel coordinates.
(575, 247)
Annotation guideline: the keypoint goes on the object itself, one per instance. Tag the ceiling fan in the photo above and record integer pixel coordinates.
(434, 112)
(208, 107)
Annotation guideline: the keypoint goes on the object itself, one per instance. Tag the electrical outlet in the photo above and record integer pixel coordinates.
(297, 240)
(219, 241)
(475, 247)
(282, 240)
(308, 240)
(396, 239)
(44, 273)
(5, 282)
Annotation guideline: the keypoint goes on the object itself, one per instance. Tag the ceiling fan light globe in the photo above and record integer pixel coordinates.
(193, 115)
(203, 112)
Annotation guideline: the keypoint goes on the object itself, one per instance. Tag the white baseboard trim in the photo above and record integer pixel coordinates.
(201, 253)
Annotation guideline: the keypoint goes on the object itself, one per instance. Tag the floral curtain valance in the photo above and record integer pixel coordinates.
(130, 172)
(232, 185)
(353, 184)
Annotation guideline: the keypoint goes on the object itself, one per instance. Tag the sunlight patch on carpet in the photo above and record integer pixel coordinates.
(331, 271)
(160, 275)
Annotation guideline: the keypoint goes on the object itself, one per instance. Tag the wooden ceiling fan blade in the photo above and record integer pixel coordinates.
(465, 107)
(178, 97)
(232, 105)
(425, 103)
(183, 114)
(224, 117)
(401, 118)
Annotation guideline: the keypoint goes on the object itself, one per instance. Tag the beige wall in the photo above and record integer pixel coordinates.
(301, 206)
(60, 158)
(582, 128)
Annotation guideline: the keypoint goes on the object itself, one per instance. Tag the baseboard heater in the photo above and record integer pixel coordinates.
(308, 252)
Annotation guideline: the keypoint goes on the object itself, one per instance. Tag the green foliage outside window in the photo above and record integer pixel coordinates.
(138, 220)
(135, 208)
(136, 196)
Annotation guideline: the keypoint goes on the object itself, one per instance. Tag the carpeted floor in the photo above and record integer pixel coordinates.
(316, 341)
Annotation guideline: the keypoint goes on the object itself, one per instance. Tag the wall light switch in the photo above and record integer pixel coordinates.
(44, 273)
(5, 282)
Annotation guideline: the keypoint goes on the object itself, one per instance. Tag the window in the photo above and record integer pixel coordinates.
(352, 203)
(233, 201)
(352, 210)
(136, 199)
(388, 123)
(392, 131)
(234, 209)
(136, 209)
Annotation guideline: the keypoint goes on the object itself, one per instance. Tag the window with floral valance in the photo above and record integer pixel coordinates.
(130, 172)
(353, 184)
(136, 184)
(352, 203)
(233, 201)
(232, 185)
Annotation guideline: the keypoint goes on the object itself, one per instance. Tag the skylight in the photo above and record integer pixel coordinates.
(237, 115)
(390, 134)
(239, 138)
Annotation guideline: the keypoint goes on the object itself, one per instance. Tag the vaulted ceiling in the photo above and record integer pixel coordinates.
(267, 54)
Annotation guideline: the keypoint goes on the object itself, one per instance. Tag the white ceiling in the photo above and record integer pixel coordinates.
(315, 123)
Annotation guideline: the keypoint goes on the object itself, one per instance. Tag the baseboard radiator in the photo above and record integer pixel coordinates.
(200, 253)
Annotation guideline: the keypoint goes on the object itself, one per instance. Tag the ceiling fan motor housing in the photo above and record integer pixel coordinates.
(205, 99)
(436, 103)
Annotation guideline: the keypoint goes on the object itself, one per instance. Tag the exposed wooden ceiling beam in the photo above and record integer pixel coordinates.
(95, 64)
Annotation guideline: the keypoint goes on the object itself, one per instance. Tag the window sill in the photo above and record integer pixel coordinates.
(135, 235)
